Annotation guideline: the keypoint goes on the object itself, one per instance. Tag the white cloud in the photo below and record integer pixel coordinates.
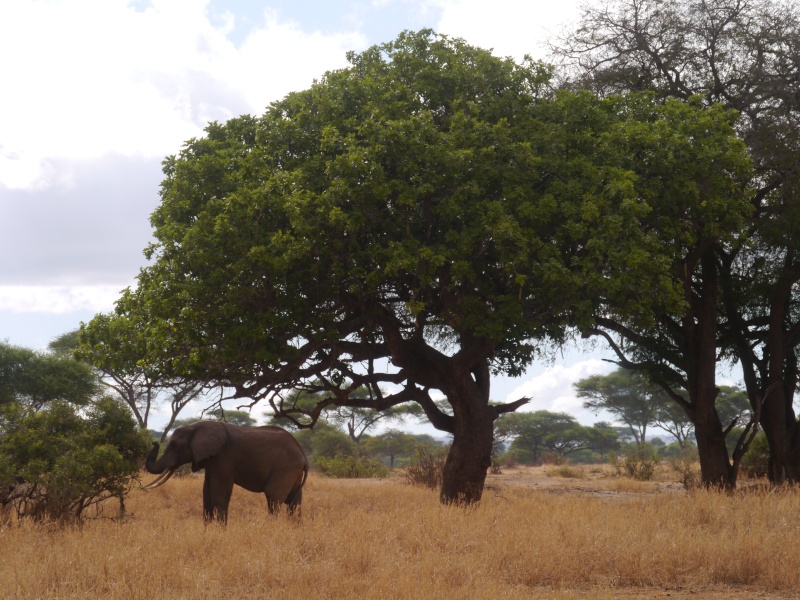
(58, 299)
(512, 27)
(84, 78)
(552, 390)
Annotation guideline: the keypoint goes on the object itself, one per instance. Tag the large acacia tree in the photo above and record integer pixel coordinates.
(742, 294)
(415, 222)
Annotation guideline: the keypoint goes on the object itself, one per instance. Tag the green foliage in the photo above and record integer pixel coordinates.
(627, 395)
(37, 378)
(118, 346)
(330, 442)
(325, 441)
(236, 417)
(391, 443)
(755, 462)
(535, 435)
(410, 176)
(343, 467)
(58, 461)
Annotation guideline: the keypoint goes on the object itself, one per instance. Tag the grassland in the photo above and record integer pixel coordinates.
(533, 536)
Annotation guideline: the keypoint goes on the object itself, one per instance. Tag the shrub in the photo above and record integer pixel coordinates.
(639, 462)
(57, 462)
(346, 467)
(426, 467)
(686, 467)
(755, 462)
(566, 471)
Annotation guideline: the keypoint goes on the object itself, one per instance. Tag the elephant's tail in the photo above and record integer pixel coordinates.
(296, 494)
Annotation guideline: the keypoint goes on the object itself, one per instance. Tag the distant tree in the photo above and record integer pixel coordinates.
(356, 420)
(35, 379)
(116, 346)
(733, 406)
(236, 417)
(542, 431)
(627, 395)
(325, 440)
(672, 418)
(391, 443)
(602, 437)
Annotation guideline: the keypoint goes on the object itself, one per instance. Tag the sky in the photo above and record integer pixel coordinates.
(97, 92)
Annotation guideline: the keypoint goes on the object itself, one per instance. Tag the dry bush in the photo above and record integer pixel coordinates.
(566, 471)
(426, 468)
(386, 540)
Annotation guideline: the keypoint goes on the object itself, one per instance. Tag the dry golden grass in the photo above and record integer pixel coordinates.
(371, 539)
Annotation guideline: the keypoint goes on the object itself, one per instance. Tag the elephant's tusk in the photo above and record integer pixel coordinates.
(160, 480)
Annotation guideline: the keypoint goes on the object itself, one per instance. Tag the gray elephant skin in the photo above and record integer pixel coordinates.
(259, 459)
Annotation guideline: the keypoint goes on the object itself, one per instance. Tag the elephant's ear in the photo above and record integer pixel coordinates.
(208, 439)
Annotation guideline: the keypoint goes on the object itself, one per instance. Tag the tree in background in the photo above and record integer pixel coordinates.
(672, 418)
(741, 55)
(115, 345)
(534, 435)
(629, 396)
(236, 417)
(357, 420)
(392, 443)
(34, 379)
(603, 438)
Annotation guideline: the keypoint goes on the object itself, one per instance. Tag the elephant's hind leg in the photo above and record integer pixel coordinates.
(294, 503)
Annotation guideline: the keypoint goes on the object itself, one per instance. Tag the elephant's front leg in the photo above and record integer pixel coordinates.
(217, 491)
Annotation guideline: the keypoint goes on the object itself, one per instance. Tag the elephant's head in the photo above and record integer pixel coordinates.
(193, 443)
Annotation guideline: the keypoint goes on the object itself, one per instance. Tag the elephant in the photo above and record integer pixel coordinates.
(260, 459)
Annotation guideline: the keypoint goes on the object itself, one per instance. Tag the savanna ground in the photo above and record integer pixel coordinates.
(536, 534)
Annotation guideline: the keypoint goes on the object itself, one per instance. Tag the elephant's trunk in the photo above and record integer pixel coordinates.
(151, 464)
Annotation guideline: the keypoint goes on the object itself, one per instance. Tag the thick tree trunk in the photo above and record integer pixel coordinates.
(470, 455)
(465, 380)
(780, 426)
(715, 465)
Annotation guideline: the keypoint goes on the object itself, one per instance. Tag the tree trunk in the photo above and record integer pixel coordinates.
(780, 426)
(715, 466)
(470, 454)
(701, 325)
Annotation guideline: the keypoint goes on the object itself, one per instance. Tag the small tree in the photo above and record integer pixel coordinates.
(33, 379)
(536, 433)
(603, 438)
(627, 395)
(58, 462)
(391, 443)
(116, 347)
